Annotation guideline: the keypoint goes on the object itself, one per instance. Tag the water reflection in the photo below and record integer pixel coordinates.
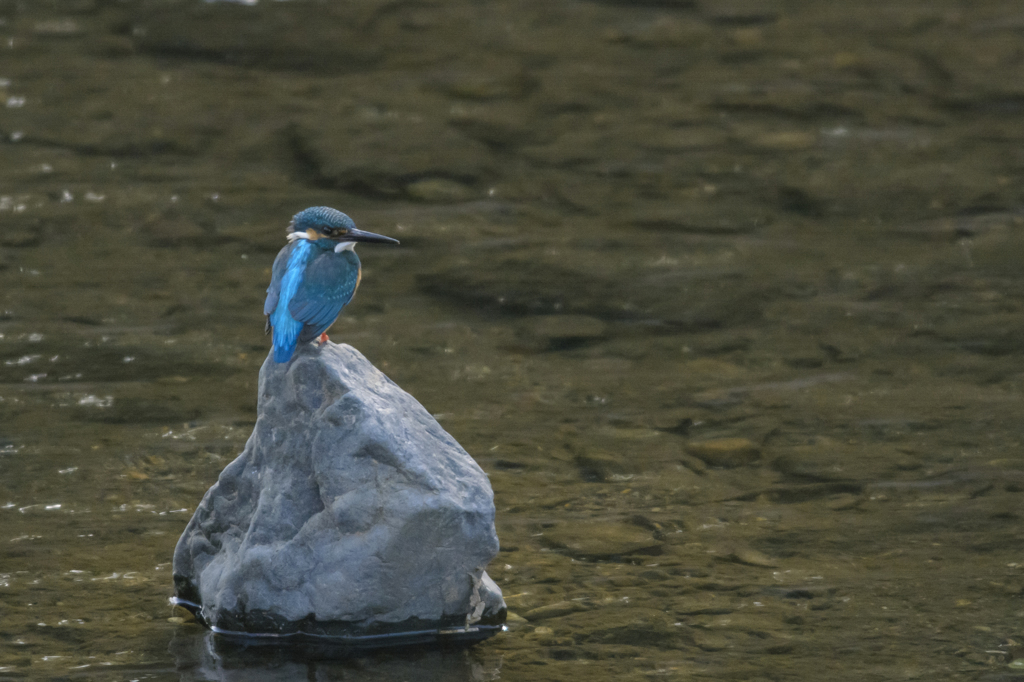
(203, 656)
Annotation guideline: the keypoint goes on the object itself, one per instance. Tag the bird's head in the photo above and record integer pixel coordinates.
(332, 228)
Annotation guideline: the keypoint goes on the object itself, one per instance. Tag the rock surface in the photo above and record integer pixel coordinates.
(349, 513)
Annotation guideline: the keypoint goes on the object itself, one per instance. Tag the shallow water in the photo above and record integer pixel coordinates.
(725, 298)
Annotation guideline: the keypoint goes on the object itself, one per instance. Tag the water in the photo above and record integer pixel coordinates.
(725, 298)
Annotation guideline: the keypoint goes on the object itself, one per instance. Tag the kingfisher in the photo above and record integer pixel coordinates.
(314, 276)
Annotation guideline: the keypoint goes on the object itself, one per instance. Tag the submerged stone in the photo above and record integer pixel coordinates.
(725, 452)
(600, 539)
(350, 514)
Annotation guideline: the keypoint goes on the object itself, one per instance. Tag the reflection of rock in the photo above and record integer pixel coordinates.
(350, 512)
(199, 655)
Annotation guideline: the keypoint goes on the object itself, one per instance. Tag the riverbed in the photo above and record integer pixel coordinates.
(725, 297)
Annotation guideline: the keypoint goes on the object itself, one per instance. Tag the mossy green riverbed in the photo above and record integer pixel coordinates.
(725, 297)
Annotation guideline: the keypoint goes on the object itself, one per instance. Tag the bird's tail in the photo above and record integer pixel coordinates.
(286, 337)
(283, 353)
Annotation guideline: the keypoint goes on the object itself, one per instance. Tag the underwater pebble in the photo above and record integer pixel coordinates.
(751, 557)
(725, 452)
(599, 539)
(553, 610)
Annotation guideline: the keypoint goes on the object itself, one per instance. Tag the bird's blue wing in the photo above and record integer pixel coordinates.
(277, 273)
(328, 284)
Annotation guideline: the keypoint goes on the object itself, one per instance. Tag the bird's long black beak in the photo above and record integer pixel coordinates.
(361, 236)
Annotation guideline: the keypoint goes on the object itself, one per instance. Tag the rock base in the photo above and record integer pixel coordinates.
(351, 516)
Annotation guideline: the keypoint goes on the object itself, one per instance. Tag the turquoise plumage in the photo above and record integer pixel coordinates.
(313, 277)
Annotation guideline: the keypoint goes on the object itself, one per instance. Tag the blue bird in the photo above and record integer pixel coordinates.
(313, 277)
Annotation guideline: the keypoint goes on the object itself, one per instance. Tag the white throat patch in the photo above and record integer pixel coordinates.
(338, 248)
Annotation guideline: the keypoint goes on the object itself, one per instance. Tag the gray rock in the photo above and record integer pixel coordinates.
(349, 513)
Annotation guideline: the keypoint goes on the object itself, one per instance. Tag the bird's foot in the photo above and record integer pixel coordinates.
(323, 339)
